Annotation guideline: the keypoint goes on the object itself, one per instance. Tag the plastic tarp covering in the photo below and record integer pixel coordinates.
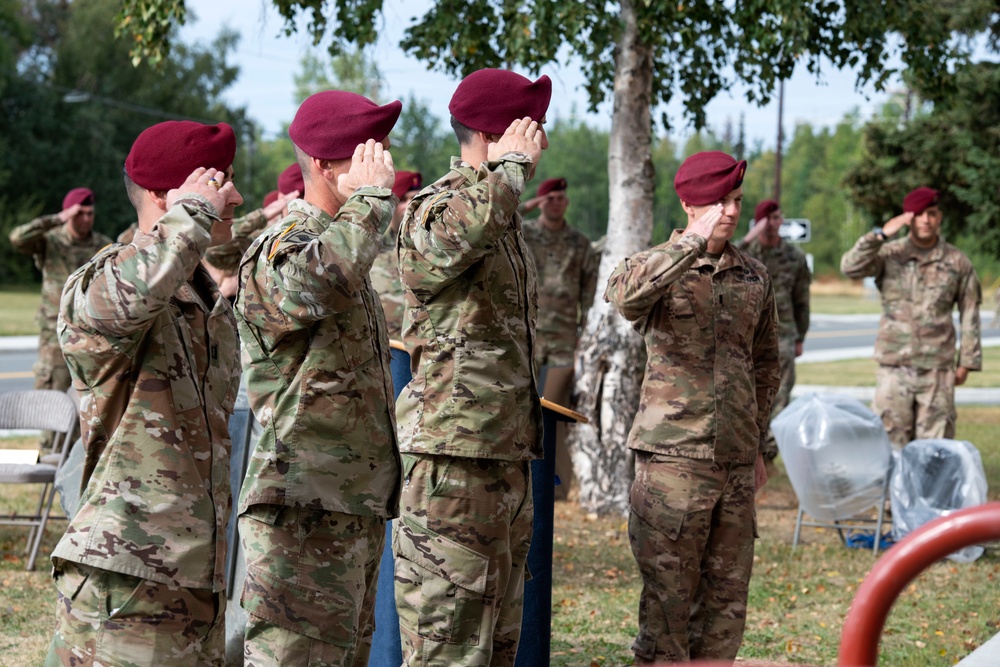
(933, 478)
(836, 452)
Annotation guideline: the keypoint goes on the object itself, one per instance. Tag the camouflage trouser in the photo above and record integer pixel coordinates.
(786, 358)
(692, 526)
(558, 389)
(51, 372)
(460, 545)
(108, 618)
(311, 577)
(915, 403)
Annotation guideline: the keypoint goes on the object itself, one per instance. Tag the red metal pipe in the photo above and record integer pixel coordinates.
(899, 566)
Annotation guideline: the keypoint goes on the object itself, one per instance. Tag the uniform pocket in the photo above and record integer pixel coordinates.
(179, 374)
(446, 580)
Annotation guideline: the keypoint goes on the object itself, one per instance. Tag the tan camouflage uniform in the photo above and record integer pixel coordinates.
(712, 371)
(325, 474)
(386, 281)
(790, 278)
(57, 254)
(152, 348)
(567, 279)
(915, 347)
(469, 420)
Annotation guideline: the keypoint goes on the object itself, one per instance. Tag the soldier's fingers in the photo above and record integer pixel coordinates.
(377, 150)
(512, 128)
(369, 149)
(359, 153)
(387, 160)
(523, 125)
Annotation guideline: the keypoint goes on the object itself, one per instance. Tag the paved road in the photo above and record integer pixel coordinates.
(831, 338)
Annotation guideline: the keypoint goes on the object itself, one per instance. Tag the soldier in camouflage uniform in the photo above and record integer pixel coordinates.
(922, 279)
(567, 278)
(325, 475)
(707, 314)
(385, 270)
(60, 244)
(786, 265)
(151, 345)
(470, 419)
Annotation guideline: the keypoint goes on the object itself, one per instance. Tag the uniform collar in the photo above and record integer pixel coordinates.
(730, 257)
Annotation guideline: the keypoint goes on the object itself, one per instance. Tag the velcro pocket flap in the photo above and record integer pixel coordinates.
(441, 556)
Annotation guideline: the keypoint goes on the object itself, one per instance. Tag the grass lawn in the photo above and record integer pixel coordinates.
(861, 372)
(19, 307)
(798, 599)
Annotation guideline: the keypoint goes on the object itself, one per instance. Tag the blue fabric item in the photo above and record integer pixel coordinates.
(866, 540)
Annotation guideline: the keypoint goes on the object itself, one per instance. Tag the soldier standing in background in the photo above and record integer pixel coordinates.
(922, 279)
(325, 475)
(790, 278)
(707, 314)
(151, 345)
(470, 419)
(60, 244)
(567, 279)
(385, 270)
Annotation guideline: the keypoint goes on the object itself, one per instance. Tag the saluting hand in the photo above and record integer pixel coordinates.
(706, 224)
(68, 214)
(756, 230)
(897, 223)
(371, 164)
(198, 183)
(274, 209)
(522, 136)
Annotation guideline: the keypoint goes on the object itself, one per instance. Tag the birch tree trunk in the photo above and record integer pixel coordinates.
(611, 355)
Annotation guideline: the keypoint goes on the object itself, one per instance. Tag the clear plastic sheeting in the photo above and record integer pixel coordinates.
(933, 478)
(836, 452)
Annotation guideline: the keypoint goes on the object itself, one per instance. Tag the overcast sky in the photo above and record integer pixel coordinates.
(268, 61)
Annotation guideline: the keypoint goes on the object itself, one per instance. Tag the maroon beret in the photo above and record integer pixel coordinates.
(920, 199)
(765, 208)
(291, 179)
(271, 197)
(707, 177)
(164, 155)
(329, 125)
(406, 181)
(550, 185)
(82, 196)
(489, 100)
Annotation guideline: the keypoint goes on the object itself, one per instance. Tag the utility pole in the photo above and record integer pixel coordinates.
(777, 155)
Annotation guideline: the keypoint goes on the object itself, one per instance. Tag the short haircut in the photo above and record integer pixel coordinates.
(134, 191)
(304, 160)
(462, 132)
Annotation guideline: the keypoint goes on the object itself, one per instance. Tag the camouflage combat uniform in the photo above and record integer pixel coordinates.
(226, 257)
(469, 420)
(567, 279)
(152, 348)
(790, 278)
(57, 254)
(915, 347)
(712, 371)
(386, 281)
(325, 475)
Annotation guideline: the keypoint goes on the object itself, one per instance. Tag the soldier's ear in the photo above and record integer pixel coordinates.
(157, 198)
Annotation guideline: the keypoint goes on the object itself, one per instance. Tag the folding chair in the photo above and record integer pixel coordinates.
(46, 410)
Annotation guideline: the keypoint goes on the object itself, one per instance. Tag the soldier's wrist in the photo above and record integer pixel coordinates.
(879, 233)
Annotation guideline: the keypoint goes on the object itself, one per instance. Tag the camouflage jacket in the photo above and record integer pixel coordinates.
(385, 280)
(226, 257)
(316, 355)
(567, 279)
(128, 234)
(920, 289)
(469, 324)
(152, 348)
(790, 278)
(712, 349)
(56, 254)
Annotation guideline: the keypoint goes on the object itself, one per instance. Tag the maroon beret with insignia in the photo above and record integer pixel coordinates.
(406, 181)
(707, 177)
(164, 155)
(550, 185)
(489, 100)
(291, 179)
(765, 208)
(271, 197)
(81, 196)
(920, 199)
(330, 124)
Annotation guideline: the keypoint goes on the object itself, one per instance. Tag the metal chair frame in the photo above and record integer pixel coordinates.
(841, 525)
(47, 410)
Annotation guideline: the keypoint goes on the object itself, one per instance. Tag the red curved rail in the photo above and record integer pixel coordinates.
(899, 566)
